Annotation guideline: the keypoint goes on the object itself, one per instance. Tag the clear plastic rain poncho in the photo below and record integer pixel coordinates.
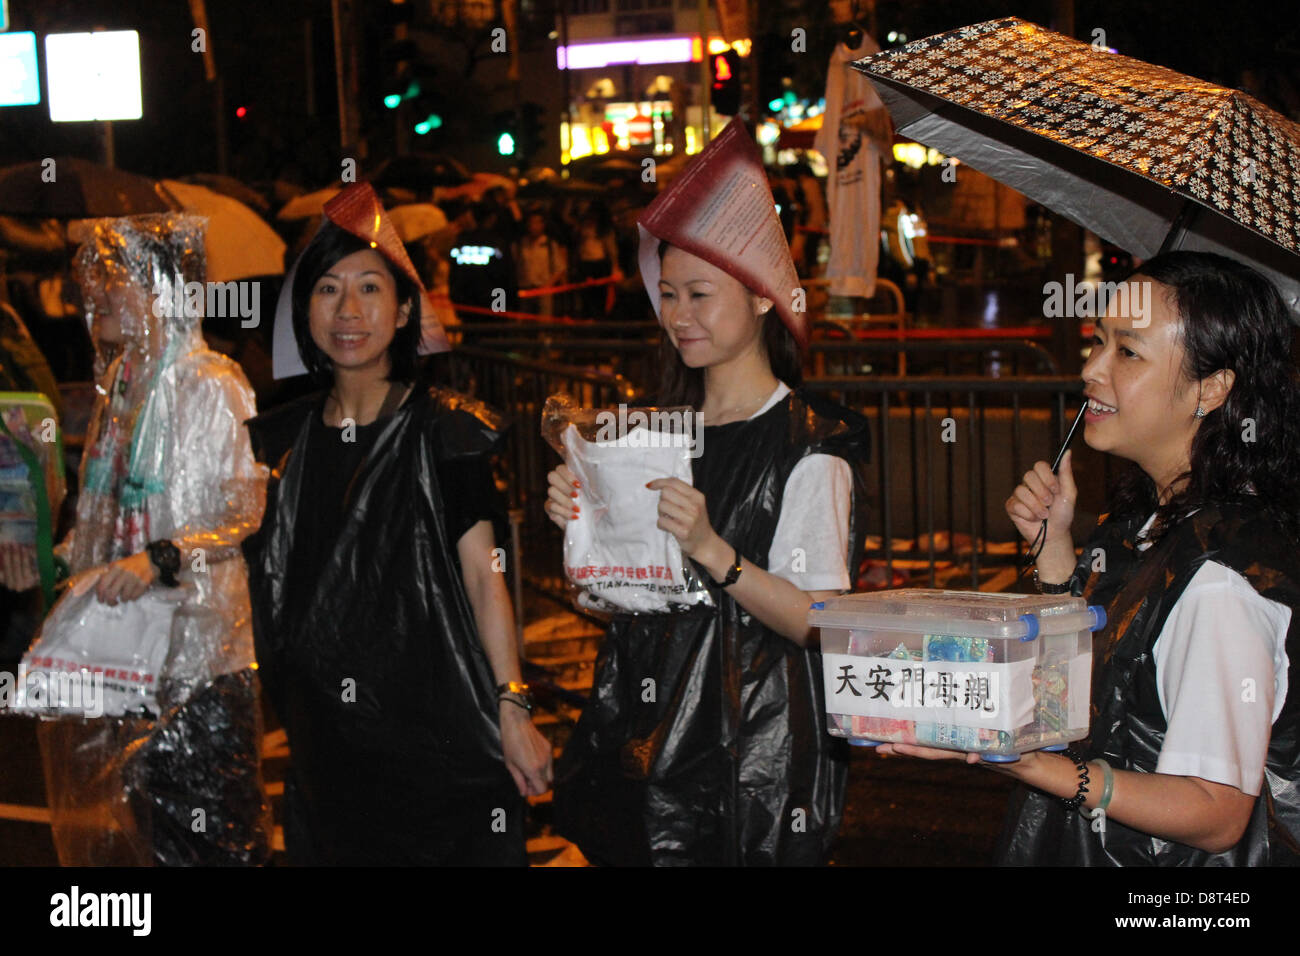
(167, 456)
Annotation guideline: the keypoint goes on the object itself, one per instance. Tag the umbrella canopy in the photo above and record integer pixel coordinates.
(543, 188)
(239, 244)
(308, 204)
(417, 220)
(229, 186)
(607, 166)
(65, 188)
(477, 185)
(1147, 158)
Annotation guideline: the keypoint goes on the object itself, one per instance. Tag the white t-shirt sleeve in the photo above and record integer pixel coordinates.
(1221, 669)
(811, 543)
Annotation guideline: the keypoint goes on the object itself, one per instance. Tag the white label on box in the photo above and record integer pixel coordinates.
(979, 694)
(1080, 690)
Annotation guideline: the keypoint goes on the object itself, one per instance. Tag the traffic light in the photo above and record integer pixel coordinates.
(531, 130)
(726, 82)
(397, 55)
(505, 132)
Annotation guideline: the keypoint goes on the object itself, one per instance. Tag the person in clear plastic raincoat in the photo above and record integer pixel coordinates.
(169, 488)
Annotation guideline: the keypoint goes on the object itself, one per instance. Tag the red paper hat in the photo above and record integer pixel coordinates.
(357, 210)
(721, 209)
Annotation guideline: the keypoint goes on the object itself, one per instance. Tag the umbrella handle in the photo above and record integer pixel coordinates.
(1181, 225)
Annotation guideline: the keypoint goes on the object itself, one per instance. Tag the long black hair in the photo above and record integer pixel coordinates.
(327, 247)
(679, 384)
(1246, 451)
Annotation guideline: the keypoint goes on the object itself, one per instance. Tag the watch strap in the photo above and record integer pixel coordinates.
(1044, 588)
(733, 573)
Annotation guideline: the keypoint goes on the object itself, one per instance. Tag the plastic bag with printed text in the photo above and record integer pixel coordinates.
(616, 558)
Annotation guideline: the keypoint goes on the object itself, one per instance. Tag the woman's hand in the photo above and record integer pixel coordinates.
(925, 753)
(1045, 496)
(125, 580)
(527, 752)
(562, 496)
(18, 570)
(684, 515)
(1027, 765)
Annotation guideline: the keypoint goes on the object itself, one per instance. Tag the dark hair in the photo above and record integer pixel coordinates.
(679, 384)
(1232, 318)
(329, 246)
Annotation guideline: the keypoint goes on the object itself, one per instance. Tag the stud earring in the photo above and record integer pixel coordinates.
(1200, 412)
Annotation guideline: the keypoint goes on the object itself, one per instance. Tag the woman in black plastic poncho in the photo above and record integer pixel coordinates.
(728, 762)
(1193, 758)
(381, 619)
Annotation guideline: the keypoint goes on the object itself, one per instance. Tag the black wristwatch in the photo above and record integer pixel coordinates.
(166, 557)
(1043, 588)
(733, 573)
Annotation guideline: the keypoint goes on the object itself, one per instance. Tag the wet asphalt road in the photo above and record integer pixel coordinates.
(900, 812)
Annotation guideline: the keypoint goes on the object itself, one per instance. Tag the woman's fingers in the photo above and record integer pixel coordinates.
(1038, 510)
(562, 496)
(132, 587)
(1049, 479)
(563, 479)
(1044, 489)
(1066, 476)
(559, 501)
(521, 782)
(107, 586)
(681, 511)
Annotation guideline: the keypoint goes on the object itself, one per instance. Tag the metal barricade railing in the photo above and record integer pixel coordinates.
(632, 350)
(518, 388)
(946, 452)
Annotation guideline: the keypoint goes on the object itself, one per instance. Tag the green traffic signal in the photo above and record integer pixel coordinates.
(392, 101)
(430, 122)
(506, 144)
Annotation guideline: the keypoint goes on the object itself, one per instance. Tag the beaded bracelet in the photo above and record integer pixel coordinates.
(1076, 801)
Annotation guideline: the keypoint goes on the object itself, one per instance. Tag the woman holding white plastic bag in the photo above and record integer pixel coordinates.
(704, 739)
(169, 488)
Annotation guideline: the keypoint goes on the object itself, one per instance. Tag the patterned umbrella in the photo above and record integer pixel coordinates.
(1145, 157)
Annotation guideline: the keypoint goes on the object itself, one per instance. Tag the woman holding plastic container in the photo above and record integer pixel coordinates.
(382, 622)
(1194, 753)
(704, 738)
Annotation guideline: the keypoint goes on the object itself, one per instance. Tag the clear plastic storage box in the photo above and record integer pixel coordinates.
(997, 674)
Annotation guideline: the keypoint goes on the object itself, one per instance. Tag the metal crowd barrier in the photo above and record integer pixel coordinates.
(632, 350)
(946, 453)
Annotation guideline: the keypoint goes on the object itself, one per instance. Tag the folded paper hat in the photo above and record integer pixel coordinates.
(721, 209)
(357, 210)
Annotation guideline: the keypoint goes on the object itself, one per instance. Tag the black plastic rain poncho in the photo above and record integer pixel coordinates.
(1139, 590)
(374, 666)
(729, 761)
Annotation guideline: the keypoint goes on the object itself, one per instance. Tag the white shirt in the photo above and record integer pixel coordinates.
(811, 543)
(1221, 674)
(853, 175)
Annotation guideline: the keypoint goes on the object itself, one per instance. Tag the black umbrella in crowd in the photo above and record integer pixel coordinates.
(1147, 158)
(65, 188)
